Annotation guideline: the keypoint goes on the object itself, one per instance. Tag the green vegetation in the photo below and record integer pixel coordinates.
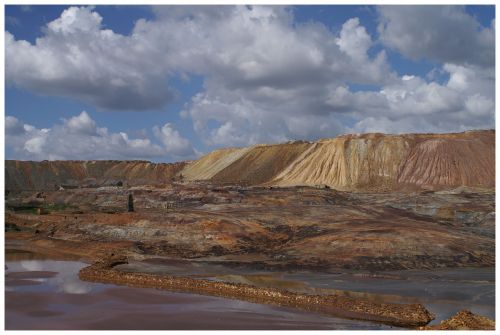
(11, 227)
(32, 209)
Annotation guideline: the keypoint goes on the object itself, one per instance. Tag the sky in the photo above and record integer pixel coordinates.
(170, 83)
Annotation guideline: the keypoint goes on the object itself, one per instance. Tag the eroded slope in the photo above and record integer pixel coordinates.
(360, 162)
(209, 165)
(261, 163)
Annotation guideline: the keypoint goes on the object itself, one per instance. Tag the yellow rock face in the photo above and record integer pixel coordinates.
(209, 165)
(346, 163)
(359, 162)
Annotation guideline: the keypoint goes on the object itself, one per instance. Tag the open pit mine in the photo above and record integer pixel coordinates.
(394, 230)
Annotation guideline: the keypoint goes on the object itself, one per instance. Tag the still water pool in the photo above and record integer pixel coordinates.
(46, 294)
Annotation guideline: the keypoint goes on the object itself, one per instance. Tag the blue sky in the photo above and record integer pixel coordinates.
(166, 84)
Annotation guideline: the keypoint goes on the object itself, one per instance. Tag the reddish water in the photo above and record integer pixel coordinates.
(47, 294)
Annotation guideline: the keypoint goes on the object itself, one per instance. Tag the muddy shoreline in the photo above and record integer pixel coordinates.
(409, 316)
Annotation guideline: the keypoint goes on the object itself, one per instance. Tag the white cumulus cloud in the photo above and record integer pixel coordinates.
(266, 77)
(79, 138)
(443, 33)
(173, 142)
(78, 58)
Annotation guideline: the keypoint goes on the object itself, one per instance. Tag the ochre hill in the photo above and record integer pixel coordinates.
(359, 162)
(261, 163)
(372, 162)
(214, 162)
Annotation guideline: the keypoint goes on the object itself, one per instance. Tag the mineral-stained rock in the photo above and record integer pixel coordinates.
(464, 320)
(450, 161)
(302, 227)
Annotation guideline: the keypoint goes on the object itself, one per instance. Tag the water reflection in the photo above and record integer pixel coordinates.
(42, 293)
(52, 297)
(65, 281)
(443, 291)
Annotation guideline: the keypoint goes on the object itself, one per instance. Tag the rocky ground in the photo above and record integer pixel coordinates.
(464, 320)
(263, 226)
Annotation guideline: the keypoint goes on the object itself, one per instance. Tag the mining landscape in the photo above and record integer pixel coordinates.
(391, 230)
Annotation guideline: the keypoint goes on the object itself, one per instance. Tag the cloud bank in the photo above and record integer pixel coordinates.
(79, 138)
(266, 77)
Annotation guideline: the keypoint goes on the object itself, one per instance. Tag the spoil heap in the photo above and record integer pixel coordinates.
(374, 162)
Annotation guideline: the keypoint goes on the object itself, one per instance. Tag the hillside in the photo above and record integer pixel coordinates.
(29, 175)
(374, 162)
(361, 162)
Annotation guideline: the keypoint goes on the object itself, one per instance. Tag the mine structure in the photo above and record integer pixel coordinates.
(130, 202)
